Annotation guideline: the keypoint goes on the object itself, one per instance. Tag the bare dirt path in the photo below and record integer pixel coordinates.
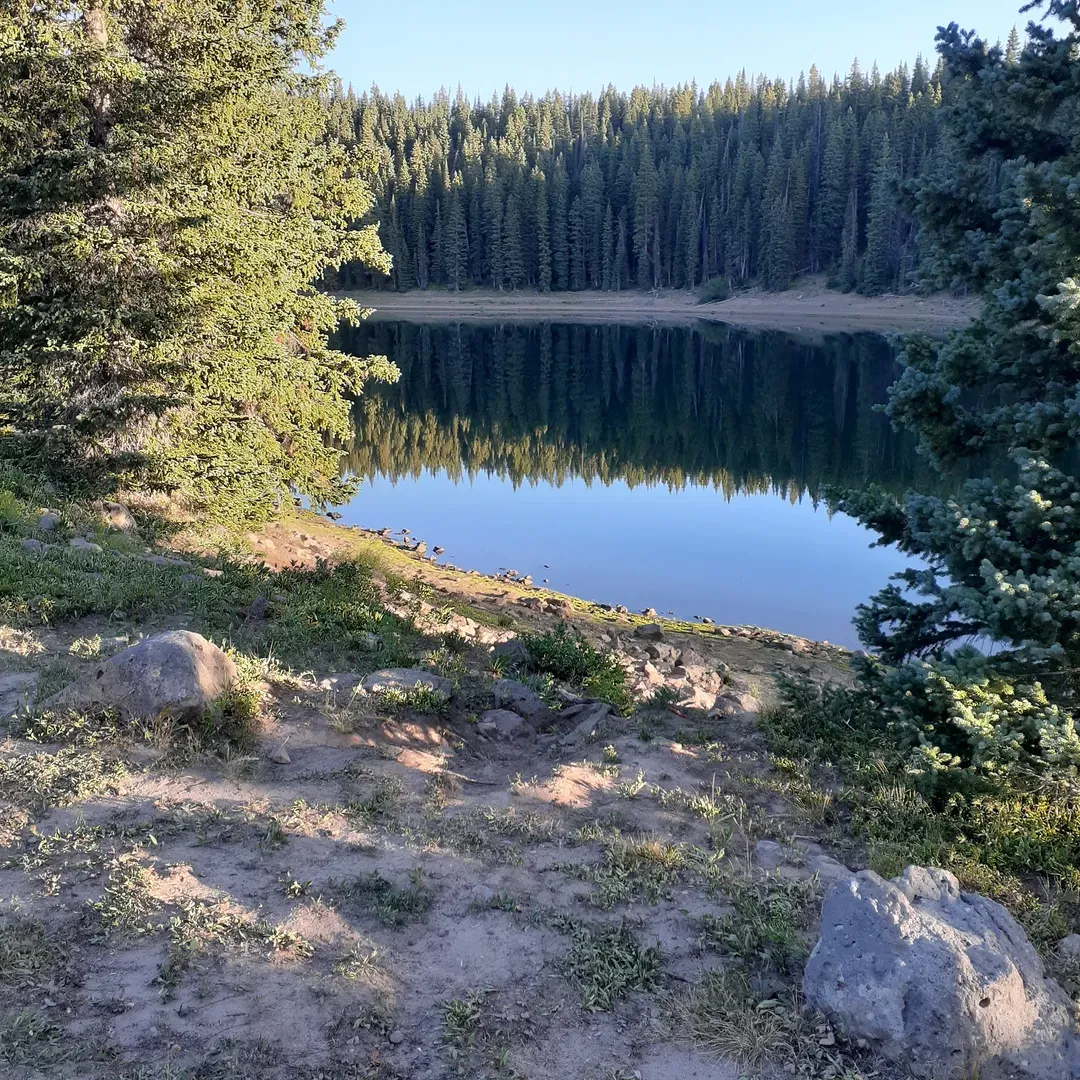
(807, 306)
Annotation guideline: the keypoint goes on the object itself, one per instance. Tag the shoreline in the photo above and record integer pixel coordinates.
(806, 307)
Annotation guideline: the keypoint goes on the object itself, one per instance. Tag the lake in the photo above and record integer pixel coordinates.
(668, 467)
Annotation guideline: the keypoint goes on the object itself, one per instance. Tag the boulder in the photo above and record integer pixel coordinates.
(588, 719)
(80, 543)
(735, 703)
(944, 982)
(659, 650)
(34, 547)
(341, 682)
(512, 652)
(519, 698)
(506, 725)
(177, 672)
(403, 680)
(16, 692)
(649, 632)
(48, 520)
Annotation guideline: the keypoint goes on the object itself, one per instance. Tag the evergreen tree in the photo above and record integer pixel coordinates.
(169, 193)
(999, 559)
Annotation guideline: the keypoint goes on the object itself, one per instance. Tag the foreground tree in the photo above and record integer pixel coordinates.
(168, 196)
(1002, 557)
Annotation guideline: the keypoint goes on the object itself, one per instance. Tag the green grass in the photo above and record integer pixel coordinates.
(607, 963)
(644, 869)
(31, 1039)
(127, 901)
(39, 781)
(566, 654)
(27, 950)
(391, 904)
(768, 924)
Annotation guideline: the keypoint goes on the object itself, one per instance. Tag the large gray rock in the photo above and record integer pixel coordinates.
(177, 672)
(517, 697)
(506, 725)
(403, 680)
(16, 692)
(944, 982)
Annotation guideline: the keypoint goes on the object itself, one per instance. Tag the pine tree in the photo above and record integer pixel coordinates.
(513, 258)
(646, 210)
(169, 192)
(878, 260)
(456, 245)
(578, 273)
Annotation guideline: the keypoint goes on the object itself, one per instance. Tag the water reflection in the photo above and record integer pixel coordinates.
(601, 450)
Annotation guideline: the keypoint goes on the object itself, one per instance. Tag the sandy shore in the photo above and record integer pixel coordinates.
(808, 306)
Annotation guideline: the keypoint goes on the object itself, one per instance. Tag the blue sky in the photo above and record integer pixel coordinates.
(416, 46)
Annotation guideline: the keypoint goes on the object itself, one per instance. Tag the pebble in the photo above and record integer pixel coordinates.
(397, 1037)
(281, 756)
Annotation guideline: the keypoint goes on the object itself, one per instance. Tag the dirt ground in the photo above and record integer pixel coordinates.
(808, 306)
(397, 896)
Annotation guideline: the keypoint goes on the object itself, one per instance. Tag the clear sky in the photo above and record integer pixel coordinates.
(416, 46)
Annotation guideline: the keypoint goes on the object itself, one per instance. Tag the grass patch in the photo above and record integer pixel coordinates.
(31, 1039)
(644, 869)
(39, 781)
(767, 925)
(27, 951)
(607, 963)
(127, 901)
(391, 905)
(1015, 840)
(492, 833)
(203, 929)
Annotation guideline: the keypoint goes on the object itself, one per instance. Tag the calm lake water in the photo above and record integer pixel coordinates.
(674, 468)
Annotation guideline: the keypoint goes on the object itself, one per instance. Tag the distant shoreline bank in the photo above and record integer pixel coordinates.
(807, 306)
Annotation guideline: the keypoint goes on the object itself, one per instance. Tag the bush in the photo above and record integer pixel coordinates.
(714, 289)
(565, 654)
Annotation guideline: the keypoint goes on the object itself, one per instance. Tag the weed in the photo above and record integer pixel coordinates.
(39, 781)
(610, 755)
(127, 900)
(201, 927)
(27, 951)
(766, 925)
(644, 869)
(461, 1020)
(607, 963)
(361, 962)
(711, 806)
(391, 905)
(379, 802)
(28, 1038)
(417, 699)
(293, 888)
(566, 654)
(631, 789)
(489, 832)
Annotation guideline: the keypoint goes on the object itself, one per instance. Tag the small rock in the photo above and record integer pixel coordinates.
(280, 756)
(1067, 946)
(420, 548)
(649, 613)
(34, 547)
(707, 621)
(210, 572)
(16, 693)
(769, 855)
(397, 1037)
(621, 609)
(650, 632)
(346, 680)
(652, 674)
(80, 543)
(661, 651)
(48, 521)
(164, 560)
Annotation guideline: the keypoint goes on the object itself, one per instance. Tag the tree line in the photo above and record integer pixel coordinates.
(660, 188)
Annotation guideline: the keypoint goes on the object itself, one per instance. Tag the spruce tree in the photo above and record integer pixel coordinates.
(1000, 558)
(169, 194)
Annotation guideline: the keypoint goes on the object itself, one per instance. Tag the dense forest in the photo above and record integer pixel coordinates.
(661, 188)
(740, 411)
